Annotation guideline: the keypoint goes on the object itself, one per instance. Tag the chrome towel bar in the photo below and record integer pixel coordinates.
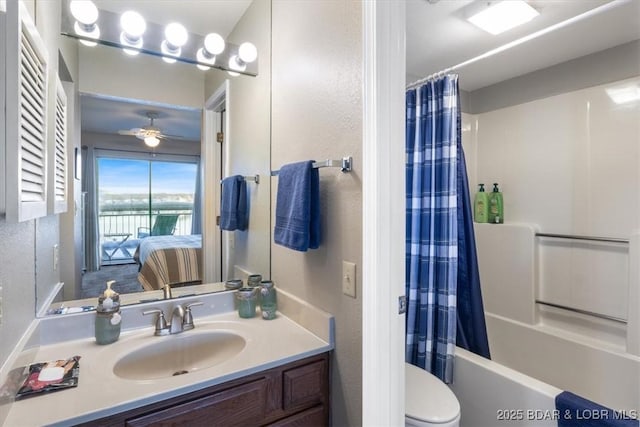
(345, 165)
(591, 238)
(254, 178)
(587, 312)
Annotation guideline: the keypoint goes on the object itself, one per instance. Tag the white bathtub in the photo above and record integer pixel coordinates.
(592, 357)
(605, 375)
(492, 395)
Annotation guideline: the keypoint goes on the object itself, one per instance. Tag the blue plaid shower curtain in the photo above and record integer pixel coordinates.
(432, 138)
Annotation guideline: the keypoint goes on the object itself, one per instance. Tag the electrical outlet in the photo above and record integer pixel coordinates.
(349, 279)
(56, 257)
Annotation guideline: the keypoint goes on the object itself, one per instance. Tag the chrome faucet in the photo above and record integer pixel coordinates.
(176, 326)
(181, 319)
(167, 291)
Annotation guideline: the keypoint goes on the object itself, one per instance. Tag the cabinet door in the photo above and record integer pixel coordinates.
(58, 164)
(314, 417)
(26, 92)
(305, 386)
(238, 406)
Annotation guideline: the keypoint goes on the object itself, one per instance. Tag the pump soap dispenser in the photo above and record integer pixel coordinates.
(496, 206)
(108, 317)
(481, 205)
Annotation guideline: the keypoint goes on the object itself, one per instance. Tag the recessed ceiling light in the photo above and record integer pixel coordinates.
(501, 16)
(624, 94)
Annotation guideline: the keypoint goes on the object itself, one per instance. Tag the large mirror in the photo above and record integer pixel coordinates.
(145, 216)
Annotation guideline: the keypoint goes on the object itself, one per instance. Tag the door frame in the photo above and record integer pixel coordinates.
(383, 25)
(211, 171)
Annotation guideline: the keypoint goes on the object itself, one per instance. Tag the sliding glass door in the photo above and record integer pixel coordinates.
(140, 198)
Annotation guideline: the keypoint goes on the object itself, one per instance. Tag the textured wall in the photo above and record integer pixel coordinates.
(317, 114)
(26, 250)
(17, 272)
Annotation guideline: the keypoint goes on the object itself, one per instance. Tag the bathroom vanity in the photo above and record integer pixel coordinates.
(227, 371)
(290, 395)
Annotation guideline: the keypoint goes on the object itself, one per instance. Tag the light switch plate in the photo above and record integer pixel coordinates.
(349, 279)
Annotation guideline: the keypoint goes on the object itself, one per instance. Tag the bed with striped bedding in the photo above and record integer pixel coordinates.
(169, 259)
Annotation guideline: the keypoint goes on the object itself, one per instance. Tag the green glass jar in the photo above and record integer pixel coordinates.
(246, 298)
(254, 280)
(268, 300)
(233, 284)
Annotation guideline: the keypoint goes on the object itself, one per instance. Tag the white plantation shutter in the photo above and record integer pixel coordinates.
(59, 166)
(26, 115)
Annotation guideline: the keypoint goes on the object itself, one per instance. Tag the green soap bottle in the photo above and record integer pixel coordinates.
(496, 206)
(481, 205)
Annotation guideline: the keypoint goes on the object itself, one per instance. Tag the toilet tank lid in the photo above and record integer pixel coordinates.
(427, 398)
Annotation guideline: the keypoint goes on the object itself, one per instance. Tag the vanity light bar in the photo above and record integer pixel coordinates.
(154, 35)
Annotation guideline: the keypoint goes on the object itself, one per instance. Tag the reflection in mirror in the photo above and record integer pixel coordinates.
(148, 194)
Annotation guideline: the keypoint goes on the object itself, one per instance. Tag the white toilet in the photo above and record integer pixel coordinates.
(428, 401)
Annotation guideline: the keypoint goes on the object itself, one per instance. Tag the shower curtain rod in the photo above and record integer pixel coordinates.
(603, 8)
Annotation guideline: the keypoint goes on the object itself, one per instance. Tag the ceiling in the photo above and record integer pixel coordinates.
(439, 37)
(109, 115)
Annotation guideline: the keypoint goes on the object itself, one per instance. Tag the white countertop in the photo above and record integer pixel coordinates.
(101, 393)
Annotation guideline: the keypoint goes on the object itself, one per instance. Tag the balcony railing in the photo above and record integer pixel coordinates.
(119, 231)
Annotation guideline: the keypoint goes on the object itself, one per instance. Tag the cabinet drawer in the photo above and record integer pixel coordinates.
(305, 386)
(239, 406)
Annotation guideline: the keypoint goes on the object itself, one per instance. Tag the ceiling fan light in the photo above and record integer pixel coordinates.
(151, 141)
(501, 16)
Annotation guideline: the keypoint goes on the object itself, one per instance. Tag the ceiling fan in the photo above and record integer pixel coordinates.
(151, 135)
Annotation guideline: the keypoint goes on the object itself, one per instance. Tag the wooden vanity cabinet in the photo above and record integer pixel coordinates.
(295, 394)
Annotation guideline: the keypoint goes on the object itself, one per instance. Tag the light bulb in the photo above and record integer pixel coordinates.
(204, 57)
(91, 31)
(233, 73)
(124, 40)
(236, 64)
(84, 11)
(133, 24)
(247, 52)
(151, 141)
(176, 34)
(167, 49)
(214, 43)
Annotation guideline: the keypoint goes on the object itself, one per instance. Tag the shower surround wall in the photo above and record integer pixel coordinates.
(567, 164)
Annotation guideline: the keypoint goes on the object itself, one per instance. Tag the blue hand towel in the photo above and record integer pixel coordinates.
(575, 411)
(298, 207)
(233, 204)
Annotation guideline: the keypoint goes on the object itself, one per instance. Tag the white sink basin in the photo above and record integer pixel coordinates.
(179, 354)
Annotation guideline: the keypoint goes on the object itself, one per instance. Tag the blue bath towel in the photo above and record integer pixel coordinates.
(234, 214)
(298, 207)
(575, 411)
